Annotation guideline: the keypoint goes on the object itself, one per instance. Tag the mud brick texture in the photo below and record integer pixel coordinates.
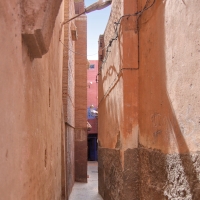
(148, 174)
(116, 183)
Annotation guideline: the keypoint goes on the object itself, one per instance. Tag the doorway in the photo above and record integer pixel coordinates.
(92, 147)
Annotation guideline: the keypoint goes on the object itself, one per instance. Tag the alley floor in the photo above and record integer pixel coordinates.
(87, 191)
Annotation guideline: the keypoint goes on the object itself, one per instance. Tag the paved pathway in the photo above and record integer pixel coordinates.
(87, 191)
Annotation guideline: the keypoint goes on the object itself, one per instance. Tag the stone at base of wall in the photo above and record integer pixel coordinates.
(148, 174)
(169, 176)
(115, 183)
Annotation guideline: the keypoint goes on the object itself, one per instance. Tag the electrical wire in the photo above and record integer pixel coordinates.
(78, 52)
(115, 37)
(116, 29)
(116, 32)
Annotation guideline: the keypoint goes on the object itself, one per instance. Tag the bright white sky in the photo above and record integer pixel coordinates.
(97, 21)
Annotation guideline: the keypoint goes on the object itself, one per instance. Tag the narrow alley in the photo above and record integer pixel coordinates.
(89, 190)
(112, 114)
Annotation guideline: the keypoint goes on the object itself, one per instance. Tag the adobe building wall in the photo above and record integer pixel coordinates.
(161, 159)
(68, 94)
(79, 6)
(30, 104)
(118, 107)
(81, 100)
(38, 19)
(169, 100)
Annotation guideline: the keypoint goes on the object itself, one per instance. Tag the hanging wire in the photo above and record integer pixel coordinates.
(78, 52)
(116, 24)
(116, 29)
(115, 37)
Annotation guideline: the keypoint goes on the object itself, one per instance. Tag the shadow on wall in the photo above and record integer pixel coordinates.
(165, 175)
(109, 80)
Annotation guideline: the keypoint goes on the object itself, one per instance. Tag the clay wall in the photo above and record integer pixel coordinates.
(118, 107)
(79, 6)
(68, 93)
(148, 117)
(31, 105)
(81, 100)
(169, 101)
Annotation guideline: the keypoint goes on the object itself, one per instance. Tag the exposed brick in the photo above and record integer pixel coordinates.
(81, 99)
(68, 97)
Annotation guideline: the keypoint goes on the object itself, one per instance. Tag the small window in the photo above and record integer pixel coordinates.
(92, 66)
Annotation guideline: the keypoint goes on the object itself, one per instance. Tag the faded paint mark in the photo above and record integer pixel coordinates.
(118, 144)
(131, 140)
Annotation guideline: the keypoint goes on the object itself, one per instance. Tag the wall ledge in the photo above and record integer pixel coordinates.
(38, 20)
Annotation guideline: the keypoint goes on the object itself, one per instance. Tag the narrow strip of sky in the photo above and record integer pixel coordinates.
(97, 22)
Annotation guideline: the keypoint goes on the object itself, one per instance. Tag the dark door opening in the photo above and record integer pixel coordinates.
(92, 147)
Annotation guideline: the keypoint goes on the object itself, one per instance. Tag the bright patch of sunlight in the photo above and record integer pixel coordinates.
(177, 186)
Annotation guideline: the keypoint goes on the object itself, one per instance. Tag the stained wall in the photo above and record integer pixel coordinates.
(68, 98)
(169, 100)
(148, 117)
(81, 100)
(118, 105)
(30, 104)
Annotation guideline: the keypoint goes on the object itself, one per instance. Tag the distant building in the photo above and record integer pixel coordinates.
(92, 106)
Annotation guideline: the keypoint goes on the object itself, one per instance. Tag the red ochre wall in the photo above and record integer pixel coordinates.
(68, 97)
(31, 106)
(118, 107)
(149, 102)
(169, 100)
(81, 100)
(92, 93)
(37, 120)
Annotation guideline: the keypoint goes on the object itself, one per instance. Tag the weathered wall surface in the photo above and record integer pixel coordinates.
(68, 94)
(118, 111)
(166, 154)
(81, 100)
(116, 101)
(30, 120)
(38, 19)
(175, 77)
(169, 100)
(108, 136)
